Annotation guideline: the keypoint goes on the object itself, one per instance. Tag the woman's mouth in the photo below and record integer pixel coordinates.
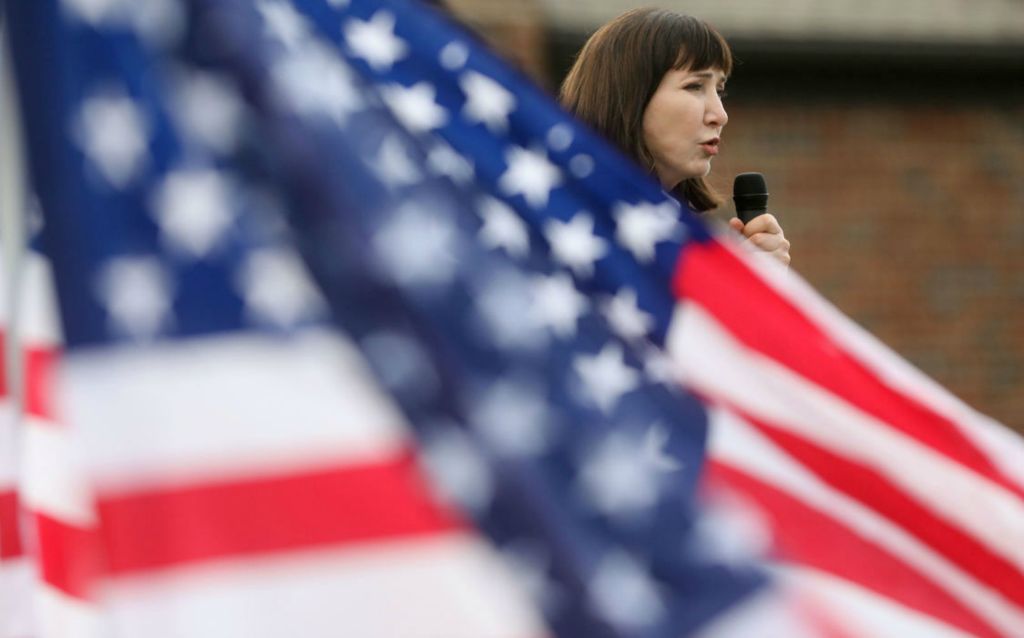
(711, 146)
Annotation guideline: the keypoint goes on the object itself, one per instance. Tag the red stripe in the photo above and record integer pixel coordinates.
(715, 278)
(889, 501)
(11, 545)
(154, 529)
(70, 557)
(807, 536)
(39, 379)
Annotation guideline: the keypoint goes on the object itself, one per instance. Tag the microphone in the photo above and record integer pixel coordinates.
(750, 194)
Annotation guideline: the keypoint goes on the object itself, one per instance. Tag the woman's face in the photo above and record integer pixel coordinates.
(683, 122)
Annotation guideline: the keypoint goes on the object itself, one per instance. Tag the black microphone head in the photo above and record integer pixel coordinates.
(750, 194)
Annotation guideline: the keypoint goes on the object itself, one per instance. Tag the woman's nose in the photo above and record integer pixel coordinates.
(715, 114)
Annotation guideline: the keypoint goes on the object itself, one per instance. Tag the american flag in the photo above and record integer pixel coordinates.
(365, 336)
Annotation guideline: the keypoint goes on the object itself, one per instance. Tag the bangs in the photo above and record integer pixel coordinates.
(687, 42)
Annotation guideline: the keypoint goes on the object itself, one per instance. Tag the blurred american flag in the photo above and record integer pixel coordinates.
(365, 336)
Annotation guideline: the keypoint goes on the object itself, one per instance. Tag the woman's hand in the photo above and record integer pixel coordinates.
(765, 234)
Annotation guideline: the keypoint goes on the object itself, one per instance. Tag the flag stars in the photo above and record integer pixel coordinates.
(277, 290)
(558, 304)
(640, 227)
(93, 11)
(393, 165)
(454, 56)
(606, 376)
(282, 21)
(513, 417)
(559, 137)
(530, 174)
(193, 209)
(625, 316)
(414, 106)
(457, 470)
(113, 133)
(136, 292)
(624, 595)
(503, 228)
(375, 41)
(313, 81)
(209, 110)
(443, 160)
(418, 246)
(622, 476)
(574, 243)
(486, 101)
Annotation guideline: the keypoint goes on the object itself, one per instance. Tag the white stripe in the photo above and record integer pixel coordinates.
(1004, 447)
(450, 585)
(712, 361)
(9, 445)
(53, 481)
(36, 321)
(16, 618)
(739, 445)
(861, 612)
(61, 616)
(226, 406)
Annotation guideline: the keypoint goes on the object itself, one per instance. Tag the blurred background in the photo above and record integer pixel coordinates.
(891, 135)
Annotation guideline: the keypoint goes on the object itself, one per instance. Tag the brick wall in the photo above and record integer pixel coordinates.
(910, 218)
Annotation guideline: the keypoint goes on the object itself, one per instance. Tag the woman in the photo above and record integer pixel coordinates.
(652, 82)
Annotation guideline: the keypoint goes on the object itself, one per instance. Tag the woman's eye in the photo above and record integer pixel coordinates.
(722, 94)
(696, 86)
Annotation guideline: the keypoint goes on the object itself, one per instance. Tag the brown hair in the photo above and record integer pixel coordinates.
(621, 65)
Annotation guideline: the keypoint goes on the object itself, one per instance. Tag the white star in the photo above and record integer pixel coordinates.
(529, 564)
(418, 246)
(581, 165)
(401, 364)
(575, 244)
(660, 367)
(457, 471)
(443, 160)
(623, 593)
(486, 101)
(621, 477)
(499, 301)
(315, 82)
(136, 292)
(654, 443)
(156, 22)
(283, 22)
(113, 133)
(393, 164)
(414, 106)
(503, 228)
(193, 209)
(513, 417)
(529, 174)
(625, 317)
(559, 137)
(642, 226)
(375, 41)
(606, 376)
(276, 289)
(557, 303)
(208, 109)
(160, 23)
(454, 55)
(94, 12)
